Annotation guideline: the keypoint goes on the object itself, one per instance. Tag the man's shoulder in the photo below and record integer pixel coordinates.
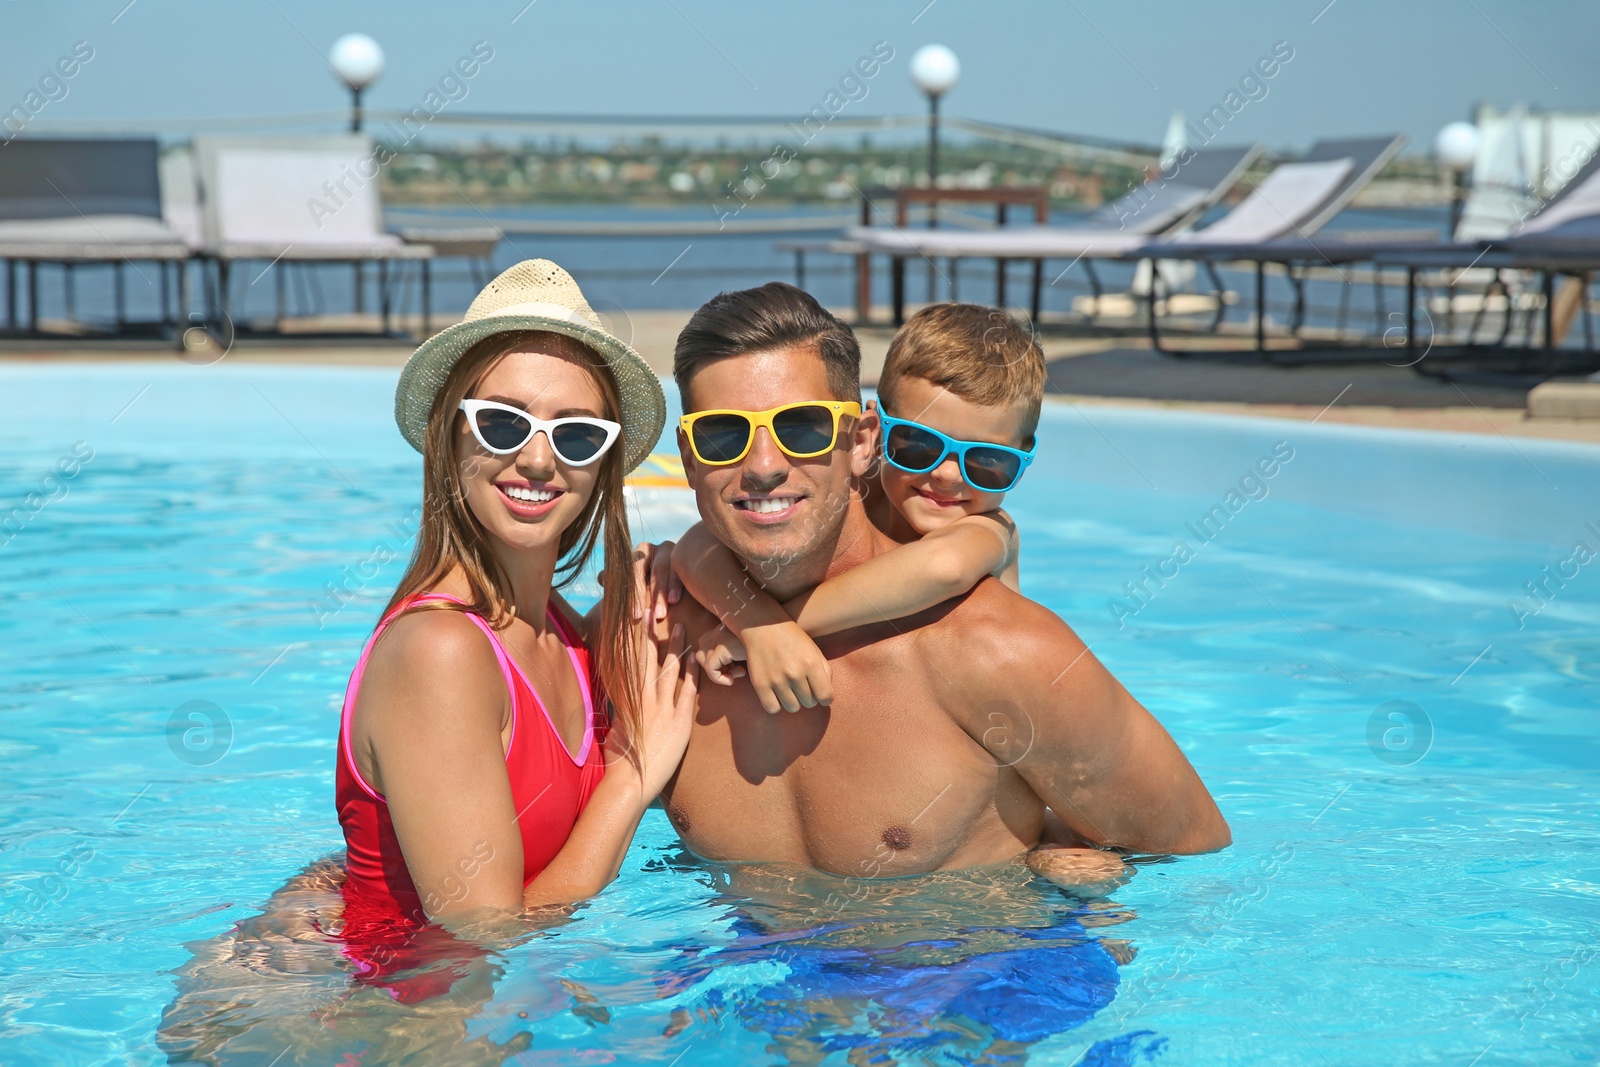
(991, 608)
(996, 655)
(997, 632)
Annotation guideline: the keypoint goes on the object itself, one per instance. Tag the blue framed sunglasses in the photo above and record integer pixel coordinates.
(918, 449)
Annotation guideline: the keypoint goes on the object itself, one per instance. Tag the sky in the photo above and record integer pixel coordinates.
(1089, 67)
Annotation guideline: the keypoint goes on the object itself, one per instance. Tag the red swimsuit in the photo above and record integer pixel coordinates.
(549, 787)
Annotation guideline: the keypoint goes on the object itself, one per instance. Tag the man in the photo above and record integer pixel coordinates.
(950, 732)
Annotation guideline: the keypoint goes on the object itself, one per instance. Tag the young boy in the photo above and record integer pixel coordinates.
(959, 398)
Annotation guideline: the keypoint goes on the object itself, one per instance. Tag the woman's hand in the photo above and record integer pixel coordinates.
(786, 668)
(641, 755)
(669, 687)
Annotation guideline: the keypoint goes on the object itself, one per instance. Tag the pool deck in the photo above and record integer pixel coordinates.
(1116, 371)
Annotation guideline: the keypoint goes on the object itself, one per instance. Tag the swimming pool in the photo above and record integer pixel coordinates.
(1409, 765)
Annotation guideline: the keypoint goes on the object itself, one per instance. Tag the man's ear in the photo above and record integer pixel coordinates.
(864, 442)
(691, 471)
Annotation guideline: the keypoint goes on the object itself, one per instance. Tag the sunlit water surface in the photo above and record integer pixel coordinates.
(1420, 889)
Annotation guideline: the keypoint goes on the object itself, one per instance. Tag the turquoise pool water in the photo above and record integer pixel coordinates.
(1403, 737)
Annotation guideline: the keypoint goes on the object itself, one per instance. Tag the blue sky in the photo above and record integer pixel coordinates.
(1093, 67)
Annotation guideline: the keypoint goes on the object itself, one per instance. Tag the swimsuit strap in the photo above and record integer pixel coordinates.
(577, 652)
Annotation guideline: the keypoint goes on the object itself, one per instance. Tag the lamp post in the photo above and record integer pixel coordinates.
(358, 61)
(934, 69)
(1456, 148)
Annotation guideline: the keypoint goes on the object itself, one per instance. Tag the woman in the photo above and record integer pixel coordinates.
(479, 771)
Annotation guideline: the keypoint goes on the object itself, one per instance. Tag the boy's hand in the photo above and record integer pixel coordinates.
(787, 670)
(721, 656)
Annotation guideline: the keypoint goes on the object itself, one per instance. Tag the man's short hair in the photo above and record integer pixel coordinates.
(980, 354)
(775, 315)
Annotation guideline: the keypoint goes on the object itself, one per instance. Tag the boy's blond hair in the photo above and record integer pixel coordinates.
(980, 354)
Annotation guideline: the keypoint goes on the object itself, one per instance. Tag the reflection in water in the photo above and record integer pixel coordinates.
(968, 966)
(287, 987)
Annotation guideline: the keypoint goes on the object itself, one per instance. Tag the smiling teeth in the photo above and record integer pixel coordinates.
(528, 496)
(769, 506)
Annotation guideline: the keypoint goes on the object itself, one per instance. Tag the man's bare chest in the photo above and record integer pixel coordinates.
(881, 783)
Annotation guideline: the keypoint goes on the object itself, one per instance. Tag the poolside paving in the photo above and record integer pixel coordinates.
(1117, 371)
(1120, 372)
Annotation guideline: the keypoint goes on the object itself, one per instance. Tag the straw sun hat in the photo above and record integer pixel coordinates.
(533, 295)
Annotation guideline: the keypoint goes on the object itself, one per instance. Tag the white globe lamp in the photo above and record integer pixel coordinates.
(935, 69)
(1456, 148)
(358, 61)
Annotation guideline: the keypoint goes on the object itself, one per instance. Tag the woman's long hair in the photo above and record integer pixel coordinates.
(450, 536)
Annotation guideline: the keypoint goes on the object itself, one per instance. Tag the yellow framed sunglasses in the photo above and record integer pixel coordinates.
(805, 430)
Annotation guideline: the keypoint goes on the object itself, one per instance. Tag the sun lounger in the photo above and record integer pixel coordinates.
(1312, 190)
(1295, 201)
(180, 196)
(475, 244)
(1560, 240)
(289, 200)
(1562, 237)
(1295, 197)
(74, 202)
(1162, 204)
(1578, 200)
(1539, 355)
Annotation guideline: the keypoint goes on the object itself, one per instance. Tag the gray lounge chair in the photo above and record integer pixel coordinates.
(1558, 238)
(1316, 187)
(284, 200)
(1561, 239)
(1162, 204)
(77, 202)
(1297, 199)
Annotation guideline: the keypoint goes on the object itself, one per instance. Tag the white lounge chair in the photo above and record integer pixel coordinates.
(281, 200)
